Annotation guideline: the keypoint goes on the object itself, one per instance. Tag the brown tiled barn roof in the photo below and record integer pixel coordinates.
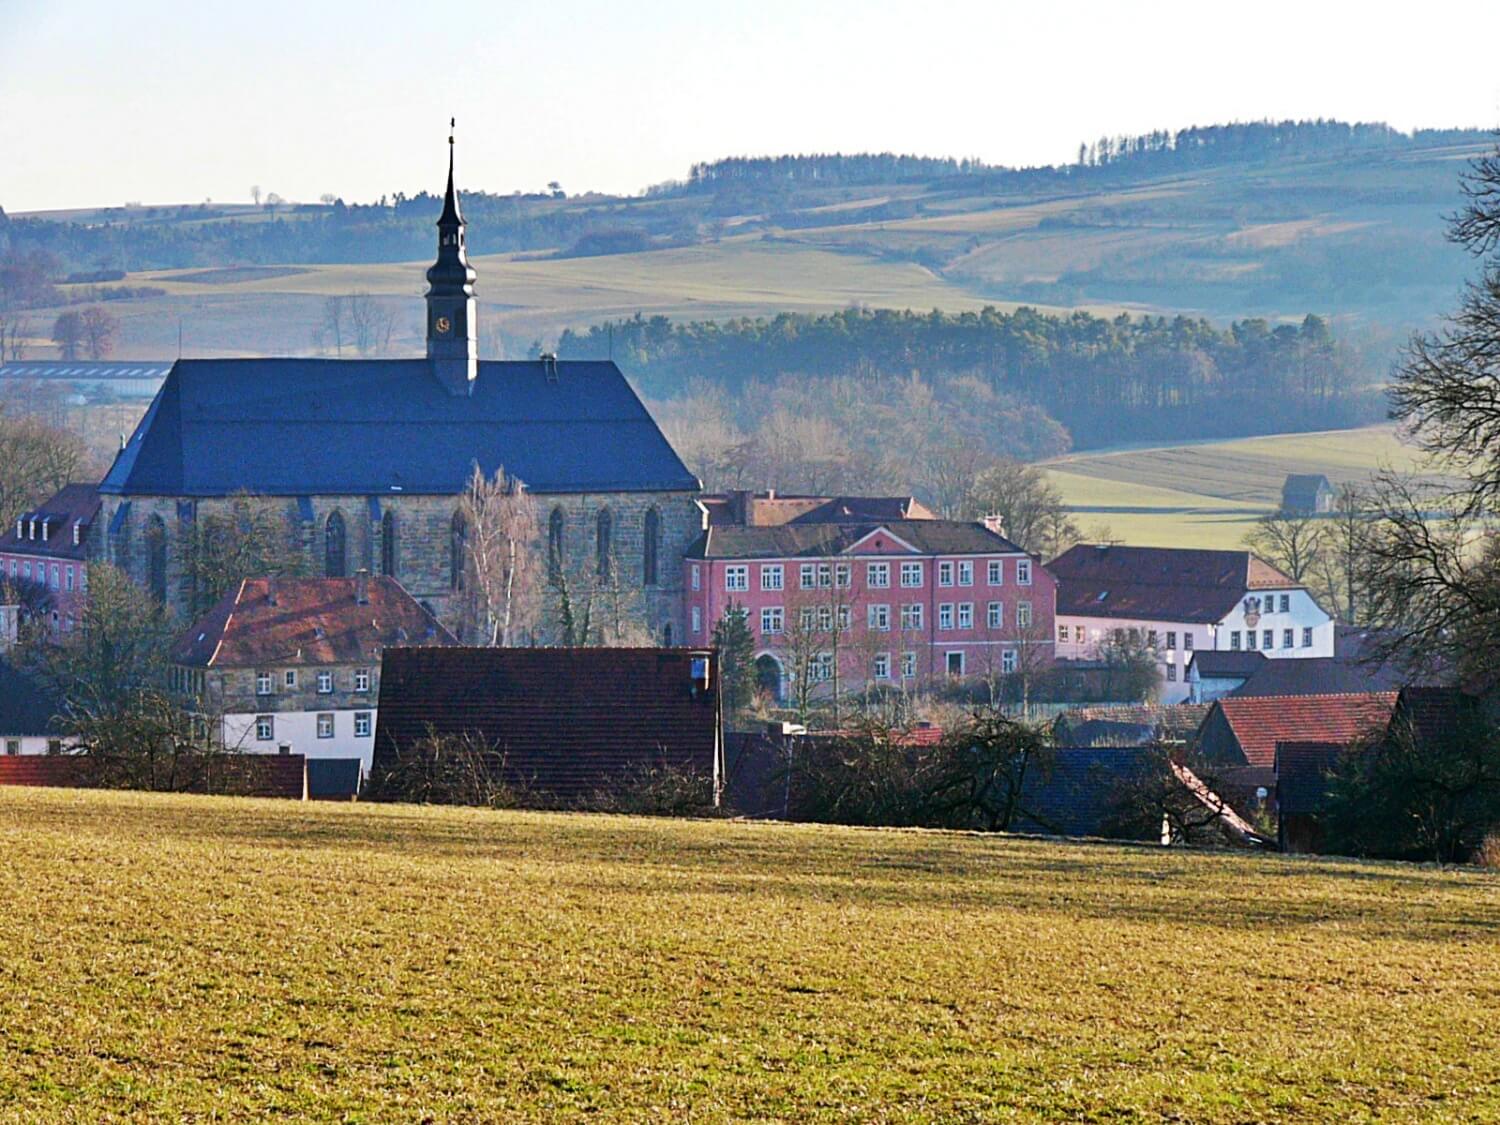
(1158, 583)
(1260, 722)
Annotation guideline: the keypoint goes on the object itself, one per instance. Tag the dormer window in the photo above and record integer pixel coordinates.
(31, 528)
(77, 532)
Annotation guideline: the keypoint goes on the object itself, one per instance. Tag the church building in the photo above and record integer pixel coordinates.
(370, 458)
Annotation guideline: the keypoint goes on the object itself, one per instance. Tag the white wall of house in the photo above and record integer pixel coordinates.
(298, 731)
(1176, 641)
(1302, 614)
(23, 743)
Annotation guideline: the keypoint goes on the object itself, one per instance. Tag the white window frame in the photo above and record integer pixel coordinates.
(265, 728)
(362, 725)
(737, 578)
(965, 618)
(325, 724)
(697, 576)
(1023, 615)
(908, 665)
(966, 572)
(878, 575)
(289, 678)
(1023, 572)
(911, 576)
(882, 666)
(911, 616)
(994, 615)
(963, 662)
(362, 680)
(325, 683)
(1062, 634)
(945, 573)
(697, 616)
(878, 617)
(843, 575)
(945, 615)
(845, 618)
(772, 577)
(1008, 662)
(995, 572)
(807, 576)
(772, 620)
(265, 683)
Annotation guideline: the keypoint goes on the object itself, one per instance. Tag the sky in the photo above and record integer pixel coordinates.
(103, 103)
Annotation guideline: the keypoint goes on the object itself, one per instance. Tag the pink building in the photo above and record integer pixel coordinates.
(44, 554)
(893, 601)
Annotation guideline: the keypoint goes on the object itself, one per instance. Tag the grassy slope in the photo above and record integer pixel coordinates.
(181, 957)
(1210, 494)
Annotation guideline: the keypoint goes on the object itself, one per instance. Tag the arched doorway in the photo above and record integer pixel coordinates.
(769, 676)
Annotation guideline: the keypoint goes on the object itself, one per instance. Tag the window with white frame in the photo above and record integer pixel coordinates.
(825, 618)
(807, 618)
(1023, 615)
(808, 575)
(265, 728)
(994, 617)
(737, 578)
(361, 679)
(945, 615)
(996, 572)
(843, 575)
(945, 573)
(966, 615)
(1062, 634)
(965, 572)
(822, 666)
(908, 665)
(263, 683)
(878, 617)
(1008, 661)
(697, 616)
(325, 683)
(911, 576)
(955, 662)
(844, 618)
(772, 577)
(289, 678)
(361, 724)
(911, 616)
(1023, 572)
(772, 619)
(878, 575)
(325, 725)
(882, 666)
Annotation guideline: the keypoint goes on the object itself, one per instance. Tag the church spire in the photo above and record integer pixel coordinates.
(452, 339)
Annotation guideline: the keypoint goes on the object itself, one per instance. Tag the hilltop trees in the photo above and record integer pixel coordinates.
(36, 459)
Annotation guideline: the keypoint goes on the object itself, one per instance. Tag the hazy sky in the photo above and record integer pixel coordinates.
(157, 101)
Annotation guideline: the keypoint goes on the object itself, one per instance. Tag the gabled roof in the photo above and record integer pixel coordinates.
(293, 427)
(771, 509)
(1158, 583)
(1302, 775)
(1080, 794)
(823, 540)
(565, 722)
(73, 503)
(1322, 675)
(1226, 664)
(1259, 723)
(27, 710)
(311, 621)
(1300, 491)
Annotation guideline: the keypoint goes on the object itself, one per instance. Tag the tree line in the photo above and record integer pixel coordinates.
(1096, 377)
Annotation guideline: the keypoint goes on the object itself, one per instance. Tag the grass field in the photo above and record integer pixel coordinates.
(198, 958)
(1209, 494)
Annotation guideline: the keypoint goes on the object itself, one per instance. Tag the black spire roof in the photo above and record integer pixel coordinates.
(451, 274)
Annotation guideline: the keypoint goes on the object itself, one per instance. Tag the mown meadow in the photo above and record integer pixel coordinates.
(180, 958)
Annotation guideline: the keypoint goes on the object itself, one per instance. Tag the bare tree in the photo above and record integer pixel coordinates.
(35, 461)
(1289, 541)
(332, 327)
(251, 537)
(1345, 541)
(502, 533)
(370, 324)
(14, 331)
(68, 334)
(1028, 508)
(100, 327)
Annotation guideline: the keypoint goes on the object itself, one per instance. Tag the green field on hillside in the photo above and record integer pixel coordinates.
(176, 958)
(1209, 494)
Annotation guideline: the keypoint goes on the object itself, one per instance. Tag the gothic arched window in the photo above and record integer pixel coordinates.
(555, 524)
(458, 545)
(602, 544)
(156, 559)
(388, 558)
(649, 546)
(335, 547)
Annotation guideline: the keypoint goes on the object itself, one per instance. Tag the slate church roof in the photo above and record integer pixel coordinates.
(295, 427)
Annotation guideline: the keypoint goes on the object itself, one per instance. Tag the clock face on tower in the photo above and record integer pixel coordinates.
(443, 325)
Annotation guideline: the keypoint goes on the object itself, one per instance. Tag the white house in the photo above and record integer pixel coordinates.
(1180, 601)
(292, 665)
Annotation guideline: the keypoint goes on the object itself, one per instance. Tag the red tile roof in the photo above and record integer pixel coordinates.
(1260, 722)
(311, 621)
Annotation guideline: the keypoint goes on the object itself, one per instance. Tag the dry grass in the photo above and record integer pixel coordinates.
(191, 958)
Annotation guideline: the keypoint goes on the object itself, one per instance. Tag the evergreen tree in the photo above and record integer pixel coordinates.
(736, 645)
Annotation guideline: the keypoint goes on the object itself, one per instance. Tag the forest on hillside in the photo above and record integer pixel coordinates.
(1065, 381)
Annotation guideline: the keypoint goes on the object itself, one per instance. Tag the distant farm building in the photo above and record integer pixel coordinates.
(1307, 494)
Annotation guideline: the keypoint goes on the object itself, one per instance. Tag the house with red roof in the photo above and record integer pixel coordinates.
(292, 665)
(1180, 602)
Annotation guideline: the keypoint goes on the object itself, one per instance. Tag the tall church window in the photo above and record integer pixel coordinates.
(555, 524)
(388, 558)
(335, 547)
(602, 542)
(156, 559)
(649, 545)
(458, 545)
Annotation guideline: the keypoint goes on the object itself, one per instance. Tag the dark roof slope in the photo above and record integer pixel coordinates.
(1322, 675)
(565, 722)
(27, 710)
(1226, 664)
(821, 540)
(1302, 776)
(1158, 583)
(312, 621)
(73, 503)
(1300, 491)
(1080, 794)
(292, 427)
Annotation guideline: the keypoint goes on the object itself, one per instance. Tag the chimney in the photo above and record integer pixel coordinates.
(271, 590)
(361, 587)
(995, 523)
